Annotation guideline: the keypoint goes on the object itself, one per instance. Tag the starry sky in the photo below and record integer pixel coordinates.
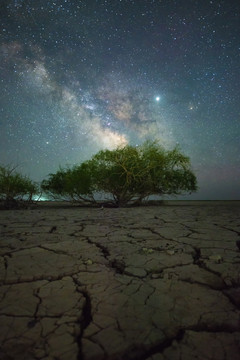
(84, 75)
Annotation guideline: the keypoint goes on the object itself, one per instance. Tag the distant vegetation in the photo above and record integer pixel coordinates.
(124, 176)
(119, 177)
(16, 190)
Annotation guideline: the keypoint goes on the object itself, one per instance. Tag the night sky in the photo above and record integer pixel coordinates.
(84, 75)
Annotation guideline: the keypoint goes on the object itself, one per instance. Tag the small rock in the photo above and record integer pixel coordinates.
(216, 258)
(156, 276)
(88, 262)
(228, 282)
(147, 251)
(134, 271)
(170, 252)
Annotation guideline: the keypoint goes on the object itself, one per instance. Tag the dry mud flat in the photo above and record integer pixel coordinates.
(149, 283)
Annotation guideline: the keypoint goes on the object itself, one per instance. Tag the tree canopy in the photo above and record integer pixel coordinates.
(71, 184)
(16, 190)
(125, 175)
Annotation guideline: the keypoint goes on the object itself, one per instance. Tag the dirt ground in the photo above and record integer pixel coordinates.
(144, 283)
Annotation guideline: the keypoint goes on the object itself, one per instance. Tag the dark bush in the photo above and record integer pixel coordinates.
(16, 190)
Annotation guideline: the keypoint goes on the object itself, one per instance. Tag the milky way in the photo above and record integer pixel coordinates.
(80, 76)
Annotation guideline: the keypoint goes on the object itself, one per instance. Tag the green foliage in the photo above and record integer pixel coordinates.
(70, 184)
(131, 174)
(55, 185)
(125, 175)
(16, 190)
(165, 172)
(115, 173)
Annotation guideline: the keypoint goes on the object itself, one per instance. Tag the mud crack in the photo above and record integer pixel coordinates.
(86, 316)
(103, 248)
(159, 348)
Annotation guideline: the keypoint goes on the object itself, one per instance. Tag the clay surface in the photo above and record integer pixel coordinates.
(145, 283)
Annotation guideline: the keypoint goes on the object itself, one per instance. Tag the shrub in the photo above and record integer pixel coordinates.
(16, 190)
(125, 175)
(131, 174)
(70, 184)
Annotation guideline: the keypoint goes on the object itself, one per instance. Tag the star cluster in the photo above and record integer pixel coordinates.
(78, 76)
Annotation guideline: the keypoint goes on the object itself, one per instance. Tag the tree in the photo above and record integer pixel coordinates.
(130, 174)
(55, 185)
(16, 190)
(125, 175)
(115, 173)
(70, 184)
(164, 172)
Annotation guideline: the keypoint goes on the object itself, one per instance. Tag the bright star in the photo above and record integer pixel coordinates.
(157, 98)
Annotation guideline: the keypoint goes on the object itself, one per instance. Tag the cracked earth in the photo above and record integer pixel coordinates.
(147, 283)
